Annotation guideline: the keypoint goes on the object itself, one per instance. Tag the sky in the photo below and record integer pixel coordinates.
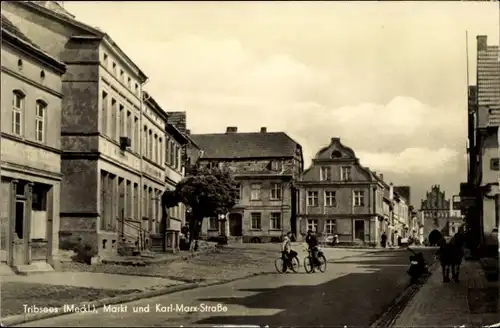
(388, 78)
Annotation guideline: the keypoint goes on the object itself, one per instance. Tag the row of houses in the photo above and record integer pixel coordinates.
(85, 152)
(480, 194)
(336, 195)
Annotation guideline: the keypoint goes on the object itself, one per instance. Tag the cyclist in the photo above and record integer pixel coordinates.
(312, 244)
(286, 249)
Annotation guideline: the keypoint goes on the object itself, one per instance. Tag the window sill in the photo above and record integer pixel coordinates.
(255, 200)
(275, 199)
(312, 205)
(212, 230)
(253, 229)
(277, 229)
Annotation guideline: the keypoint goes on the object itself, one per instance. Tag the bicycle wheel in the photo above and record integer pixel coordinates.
(322, 263)
(308, 264)
(295, 264)
(280, 265)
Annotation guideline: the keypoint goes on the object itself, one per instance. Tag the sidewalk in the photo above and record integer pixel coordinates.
(472, 302)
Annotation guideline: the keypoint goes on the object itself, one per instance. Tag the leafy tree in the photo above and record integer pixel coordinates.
(206, 193)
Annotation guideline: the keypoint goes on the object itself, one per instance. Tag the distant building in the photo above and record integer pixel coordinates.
(439, 216)
(266, 166)
(339, 196)
(480, 195)
(30, 152)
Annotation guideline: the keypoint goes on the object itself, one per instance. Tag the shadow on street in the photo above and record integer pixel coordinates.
(355, 299)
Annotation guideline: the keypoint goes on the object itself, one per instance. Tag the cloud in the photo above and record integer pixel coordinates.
(222, 83)
(411, 160)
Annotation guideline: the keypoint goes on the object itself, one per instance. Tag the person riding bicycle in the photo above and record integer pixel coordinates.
(286, 249)
(312, 244)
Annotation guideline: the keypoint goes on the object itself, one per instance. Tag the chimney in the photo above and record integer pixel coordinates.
(263, 129)
(232, 129)
(188, 132)
(482, 42)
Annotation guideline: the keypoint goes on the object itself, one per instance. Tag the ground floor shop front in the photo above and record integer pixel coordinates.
(29, 217)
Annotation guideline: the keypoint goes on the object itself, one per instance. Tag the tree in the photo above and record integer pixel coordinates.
(206, 193)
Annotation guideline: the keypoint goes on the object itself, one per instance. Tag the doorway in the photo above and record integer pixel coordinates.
(235, 225)
(19, 243)
(359, 230)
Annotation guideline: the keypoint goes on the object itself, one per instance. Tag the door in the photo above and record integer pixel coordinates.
(235, 225)
(359, 230)
(19, 242)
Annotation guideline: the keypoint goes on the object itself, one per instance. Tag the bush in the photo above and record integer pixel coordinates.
(84, 250)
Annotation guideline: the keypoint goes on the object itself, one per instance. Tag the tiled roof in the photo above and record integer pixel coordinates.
(245, 145)
(8, 26)
(488, 82)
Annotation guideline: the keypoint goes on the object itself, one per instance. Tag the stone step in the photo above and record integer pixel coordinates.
(33, 268)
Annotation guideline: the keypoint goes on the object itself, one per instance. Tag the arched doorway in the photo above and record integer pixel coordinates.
(235, 225)
(434, 237)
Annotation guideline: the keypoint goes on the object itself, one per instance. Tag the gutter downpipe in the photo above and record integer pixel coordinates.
(141, 152)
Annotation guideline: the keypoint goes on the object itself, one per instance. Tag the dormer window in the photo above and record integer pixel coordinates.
(336, 154)
(345, 173)
(325, 173)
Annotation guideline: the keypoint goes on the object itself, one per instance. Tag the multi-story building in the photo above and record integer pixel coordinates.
(175, 169)
(112, 134)
(339, 196)
(480, 195)
(266, 166)
(400, 197)
(30, 152)
(439, 216)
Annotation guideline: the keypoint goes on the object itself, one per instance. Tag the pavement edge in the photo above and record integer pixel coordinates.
(389, 317)
(29, 317)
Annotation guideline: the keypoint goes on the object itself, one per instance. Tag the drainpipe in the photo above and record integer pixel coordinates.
(141, 150)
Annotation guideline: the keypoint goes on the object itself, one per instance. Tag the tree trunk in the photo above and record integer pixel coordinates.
(194, 232)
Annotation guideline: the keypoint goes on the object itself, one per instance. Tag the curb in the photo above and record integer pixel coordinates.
(29, 317)
(387, 319)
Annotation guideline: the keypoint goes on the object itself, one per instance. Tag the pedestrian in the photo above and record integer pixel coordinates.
(383, 240)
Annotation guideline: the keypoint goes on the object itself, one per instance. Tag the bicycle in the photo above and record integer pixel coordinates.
(308, 262)
(293, 263)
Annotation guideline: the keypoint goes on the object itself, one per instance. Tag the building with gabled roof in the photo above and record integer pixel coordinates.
(31, 177)
(266, 166)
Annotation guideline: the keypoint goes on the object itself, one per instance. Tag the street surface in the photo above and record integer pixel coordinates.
(354, 291)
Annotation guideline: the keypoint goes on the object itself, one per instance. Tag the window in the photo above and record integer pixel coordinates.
(256, 221)
(276, 221)
(172, 153)
(276, 165)
(178, 157)
(114, 68)
(238, 191)
(17, 112)
(121, 121)
(105, 60)
(325, 173)
(136, 202)
(255, 191)
(129, 82)
(312, 225)
(160, 152)
(345, 173)
(150, 148)
(136, 89)
(359, 198)
(312, 198)
(20, 64)
(113, 119)
(129, 124)
(122, 76)
(137, 137)
(155, 148)
(330, 226)
(276, 191)
(213, 224)
(104, 113)
(330, 199)
(41, 109)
